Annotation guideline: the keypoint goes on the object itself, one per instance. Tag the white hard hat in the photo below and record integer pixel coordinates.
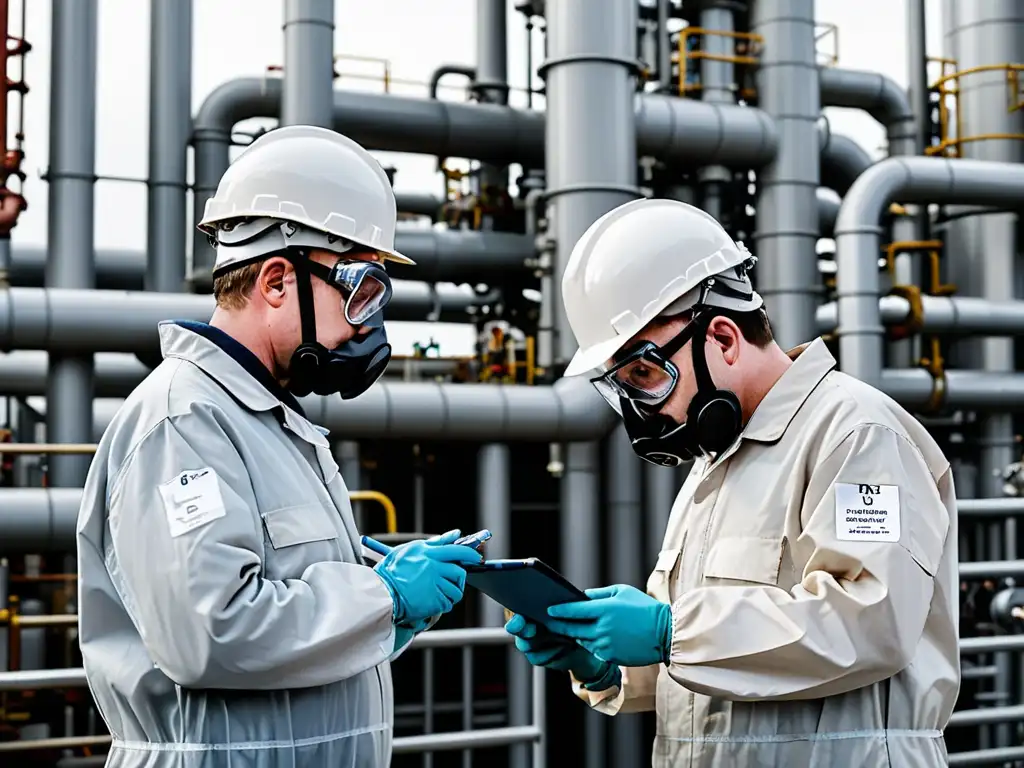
(644, 259)
(315, 178)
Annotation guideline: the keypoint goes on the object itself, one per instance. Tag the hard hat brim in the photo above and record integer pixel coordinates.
(590, 358)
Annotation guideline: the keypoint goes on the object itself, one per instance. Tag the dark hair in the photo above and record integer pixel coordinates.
(754, 324)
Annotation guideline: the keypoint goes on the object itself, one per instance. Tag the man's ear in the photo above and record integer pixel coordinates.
(727, 335)
(272, 283)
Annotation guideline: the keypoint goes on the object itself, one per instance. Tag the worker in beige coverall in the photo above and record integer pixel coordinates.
(803, 609)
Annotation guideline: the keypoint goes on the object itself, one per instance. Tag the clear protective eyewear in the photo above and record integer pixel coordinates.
(365, 286)
(644, 373)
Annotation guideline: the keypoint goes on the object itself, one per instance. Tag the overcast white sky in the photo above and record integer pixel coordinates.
(234, 38)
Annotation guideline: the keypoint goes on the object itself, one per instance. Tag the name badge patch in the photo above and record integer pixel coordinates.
(191, 500)
(867, 512)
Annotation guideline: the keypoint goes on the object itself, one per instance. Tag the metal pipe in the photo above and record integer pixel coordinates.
(494, 513)
(419, 203)
(842, 160)
(998, 756)
(479, 739)
(947, 315)
(993, 507)
(787, 222)
(909, 179)
(440, 255)
(917, 74)
(679, 131)
(490, 86)
(624, 515)
(57, 743)
(308, 62)
(70, 321)
(828, 210)
(590, 78)
(717, 81)
(879, 96)
(23, 374)
(170, 128)
(664, 68)
(70, 230)
(661, 487)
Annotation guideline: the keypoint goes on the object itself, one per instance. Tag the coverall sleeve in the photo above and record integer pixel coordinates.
(636, 693)
(205, 612)
(858, 613)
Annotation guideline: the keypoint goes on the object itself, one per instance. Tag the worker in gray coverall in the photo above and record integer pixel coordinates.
(803, 609)
(227, 618)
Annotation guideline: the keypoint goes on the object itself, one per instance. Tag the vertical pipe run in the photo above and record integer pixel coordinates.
(590, 133)
(308, 92)
(580, 555)
(664, 47)
(491, 85)
(716, 78)
(170, 129)
(347, 456)
(787, 224)
(625, 545)
(70, 262)
(494, 504)
(985, 34)
(661, 485)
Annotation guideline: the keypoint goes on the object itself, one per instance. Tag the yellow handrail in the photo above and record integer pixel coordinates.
(948, 86)
(384, 501)
(685, 56)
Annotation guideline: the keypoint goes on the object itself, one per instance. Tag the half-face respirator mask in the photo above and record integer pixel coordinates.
(364, 288)
(643, 377)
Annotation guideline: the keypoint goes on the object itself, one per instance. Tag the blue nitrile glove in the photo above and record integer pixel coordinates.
(543, 649)
(426, 577)
(619, 624)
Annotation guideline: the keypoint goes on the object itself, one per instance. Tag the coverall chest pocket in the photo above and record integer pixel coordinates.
(659, 585)
(744, 559)
(298, 536)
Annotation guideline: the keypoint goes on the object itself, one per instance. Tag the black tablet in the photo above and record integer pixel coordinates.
(527, 587)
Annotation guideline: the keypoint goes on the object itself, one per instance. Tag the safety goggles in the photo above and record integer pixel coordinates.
(644, 373)
(365, 286)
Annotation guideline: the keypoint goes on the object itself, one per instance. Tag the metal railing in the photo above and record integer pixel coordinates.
(467, 739)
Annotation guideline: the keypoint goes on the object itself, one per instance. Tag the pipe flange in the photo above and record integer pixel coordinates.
(568, 189)
(635, 66)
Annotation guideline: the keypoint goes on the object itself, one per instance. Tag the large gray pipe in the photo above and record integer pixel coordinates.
(679, 131)
(910, 179)
(787, 221)
(625, 547)
(170, 127)
(24, 373)
(568, 410)
(887, 102)
(308, 63)
(441, 256)
(590, 83)
(491, 87)
(842, 160)
(717, 81)
(67, 321)
(71, 207)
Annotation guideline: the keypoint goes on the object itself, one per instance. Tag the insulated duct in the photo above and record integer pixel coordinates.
(70, 321)
(907, 179)
(675, 130)
(456, 256)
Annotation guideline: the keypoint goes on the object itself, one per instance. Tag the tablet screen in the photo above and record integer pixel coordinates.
(527, 587)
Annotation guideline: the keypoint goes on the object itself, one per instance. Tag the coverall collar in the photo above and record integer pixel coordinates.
(227, 361)
(811, 363)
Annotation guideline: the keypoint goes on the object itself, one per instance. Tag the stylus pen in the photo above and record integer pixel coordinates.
(473, 540)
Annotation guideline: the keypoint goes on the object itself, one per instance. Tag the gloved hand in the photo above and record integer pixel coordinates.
(426, 577)
(619, 624)
(544, 649)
